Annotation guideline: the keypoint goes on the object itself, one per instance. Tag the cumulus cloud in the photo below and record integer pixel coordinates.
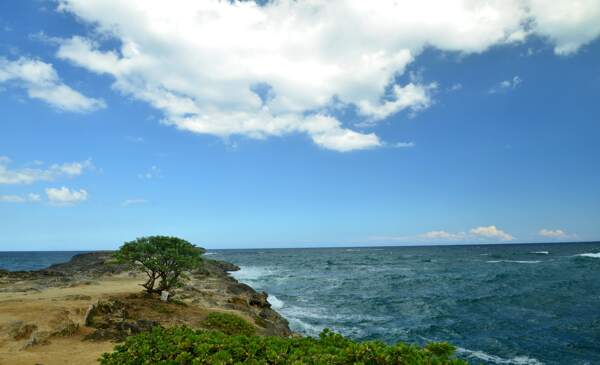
(567, 24)
(443, 235)
(65, 196)
(41, 81)
(199, 62)
(477, 234)
(28, 175)
(556, 234)
(491, 232)
(28, 198)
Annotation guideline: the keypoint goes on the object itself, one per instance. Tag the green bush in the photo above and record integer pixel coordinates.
(184, 346)
(164, 259)
(229, 324)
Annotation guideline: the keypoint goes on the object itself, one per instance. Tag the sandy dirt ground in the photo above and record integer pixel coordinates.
(56, 313)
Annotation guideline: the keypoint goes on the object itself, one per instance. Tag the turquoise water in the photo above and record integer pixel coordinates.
(501, 304)
(508, 304)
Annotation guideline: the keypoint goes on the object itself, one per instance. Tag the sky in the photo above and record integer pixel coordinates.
(298, 123)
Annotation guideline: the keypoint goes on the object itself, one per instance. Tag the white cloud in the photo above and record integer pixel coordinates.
(199, 61)
(491, 232)
(28, 198)
(552, 233)
(411, 96)
(41, 81)
(443, 235)
(568, 24)
(65, 196)
(129, 202)
(28, 175)
(477, 234)
(506, 85)
(404, 145)
(556, 234)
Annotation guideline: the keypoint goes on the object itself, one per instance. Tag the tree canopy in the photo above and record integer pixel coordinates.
(164, 259)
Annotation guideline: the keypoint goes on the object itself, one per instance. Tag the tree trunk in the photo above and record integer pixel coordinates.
(149, 285)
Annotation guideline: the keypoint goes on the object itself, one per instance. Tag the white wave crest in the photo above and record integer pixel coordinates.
(515, 261)
(298, 325)
(541, 252)
(595, 255)
(251, 273)
(517, 360)
(275, 302)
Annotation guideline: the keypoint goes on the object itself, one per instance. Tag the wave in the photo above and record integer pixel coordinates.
(595, 255)
(251, 274)
(275, 302)
(515, 261)
(540, 252)
(209, 253)
(305, 328)
(517, 360)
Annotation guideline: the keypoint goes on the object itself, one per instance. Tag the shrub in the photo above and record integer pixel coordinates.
(161, 258)
(184, 346)
(229, 324)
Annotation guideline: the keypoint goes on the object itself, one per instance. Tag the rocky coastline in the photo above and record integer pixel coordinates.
(70, 313)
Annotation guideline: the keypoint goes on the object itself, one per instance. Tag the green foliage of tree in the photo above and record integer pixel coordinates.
(184, 346)
(229, 324)
(164, 259)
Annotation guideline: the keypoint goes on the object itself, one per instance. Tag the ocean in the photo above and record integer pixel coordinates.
(499, 304)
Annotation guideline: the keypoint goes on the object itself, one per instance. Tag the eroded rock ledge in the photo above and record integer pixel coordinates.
(72, 312)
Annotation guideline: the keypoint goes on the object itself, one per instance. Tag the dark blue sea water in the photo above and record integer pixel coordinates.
(33, 260)
(500, 304)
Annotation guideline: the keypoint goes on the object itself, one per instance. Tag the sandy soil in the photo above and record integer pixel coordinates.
(52, 310)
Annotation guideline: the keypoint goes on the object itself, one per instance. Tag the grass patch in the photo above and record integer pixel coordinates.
(227, 323)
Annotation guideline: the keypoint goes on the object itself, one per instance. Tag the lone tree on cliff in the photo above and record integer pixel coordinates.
(162, 258)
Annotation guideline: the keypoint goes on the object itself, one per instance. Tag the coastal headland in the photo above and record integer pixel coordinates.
(73, 312)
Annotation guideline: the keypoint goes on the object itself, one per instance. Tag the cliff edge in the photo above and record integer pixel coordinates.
(70, 313)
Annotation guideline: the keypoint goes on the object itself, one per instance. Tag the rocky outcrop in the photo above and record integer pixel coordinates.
(93, 299)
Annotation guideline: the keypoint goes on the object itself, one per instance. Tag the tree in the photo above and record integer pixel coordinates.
(162, 258)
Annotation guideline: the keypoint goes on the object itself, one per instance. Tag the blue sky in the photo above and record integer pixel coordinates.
(127, 119)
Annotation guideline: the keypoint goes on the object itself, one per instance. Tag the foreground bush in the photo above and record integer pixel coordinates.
(229, 324)
(185, 346)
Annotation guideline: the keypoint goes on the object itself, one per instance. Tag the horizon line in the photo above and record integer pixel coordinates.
(341, 247)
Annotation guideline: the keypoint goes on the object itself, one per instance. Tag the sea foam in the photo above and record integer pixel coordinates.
(517, 360)
(515, 261)
(251, 273)
(594, 255)
(275, 302)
